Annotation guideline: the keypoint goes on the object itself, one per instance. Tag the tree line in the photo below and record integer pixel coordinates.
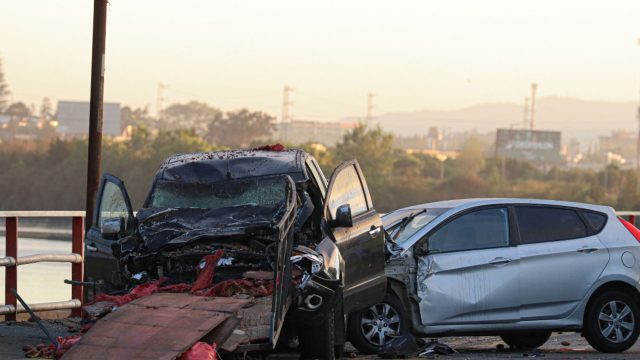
(50, 175)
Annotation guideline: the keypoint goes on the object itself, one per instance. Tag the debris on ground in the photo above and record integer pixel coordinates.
(534, 354)
(405, 346)
(254, 285)
(434, 347)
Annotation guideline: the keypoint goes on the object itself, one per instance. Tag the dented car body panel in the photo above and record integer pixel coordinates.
(514, 285)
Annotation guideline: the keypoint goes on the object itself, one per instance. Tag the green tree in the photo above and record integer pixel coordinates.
(4, 90)
(240, 128)
(18, 109)
(136, 117)
(371, 146)
(192, 115)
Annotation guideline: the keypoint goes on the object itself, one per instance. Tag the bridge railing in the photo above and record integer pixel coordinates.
(11, 261)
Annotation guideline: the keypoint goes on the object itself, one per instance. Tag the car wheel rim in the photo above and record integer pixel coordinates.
(379, 323)
(616, 321)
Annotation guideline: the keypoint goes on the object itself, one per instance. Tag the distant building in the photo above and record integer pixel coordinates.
(73, 118)
(532, 145)
(622, 142)
(301, 131)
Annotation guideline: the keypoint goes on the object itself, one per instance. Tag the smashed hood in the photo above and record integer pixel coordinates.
(160, 228)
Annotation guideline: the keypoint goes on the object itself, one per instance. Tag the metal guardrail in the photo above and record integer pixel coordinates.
(11, 261)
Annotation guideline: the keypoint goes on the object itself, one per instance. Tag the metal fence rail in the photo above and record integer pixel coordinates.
(11, 261)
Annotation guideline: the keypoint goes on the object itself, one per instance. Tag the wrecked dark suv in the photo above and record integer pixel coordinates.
(314, 250)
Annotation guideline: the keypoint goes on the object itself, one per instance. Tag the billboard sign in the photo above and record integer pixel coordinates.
(532, 145)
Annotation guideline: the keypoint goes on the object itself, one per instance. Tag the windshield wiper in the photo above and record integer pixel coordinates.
(406, 222)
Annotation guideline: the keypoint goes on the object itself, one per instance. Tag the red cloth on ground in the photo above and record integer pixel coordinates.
(135, 293)
(177, 288)
(232, 287)
(205, 275)
(200, 351)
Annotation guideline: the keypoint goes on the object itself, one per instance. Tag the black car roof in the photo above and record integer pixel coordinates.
(233, 164)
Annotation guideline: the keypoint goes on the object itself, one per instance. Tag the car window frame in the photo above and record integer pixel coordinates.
(577, 210)
(511, 243)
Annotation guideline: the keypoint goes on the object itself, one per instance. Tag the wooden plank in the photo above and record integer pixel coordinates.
(158, 326)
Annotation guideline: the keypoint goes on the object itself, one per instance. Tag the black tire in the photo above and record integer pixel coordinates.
(594, 327)
(526, 341)
(371, 344)
(318, 342)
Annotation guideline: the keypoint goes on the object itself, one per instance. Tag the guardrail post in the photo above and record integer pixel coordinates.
(77, 270)
(11, 272)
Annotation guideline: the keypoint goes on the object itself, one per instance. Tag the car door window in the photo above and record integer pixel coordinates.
(541, 224)
(481, 229)
(112, 204)
(347, 189)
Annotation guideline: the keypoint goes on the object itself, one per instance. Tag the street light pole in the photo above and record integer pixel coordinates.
(96, 106)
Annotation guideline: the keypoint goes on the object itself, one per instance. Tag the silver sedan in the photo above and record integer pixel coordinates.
(516, 268)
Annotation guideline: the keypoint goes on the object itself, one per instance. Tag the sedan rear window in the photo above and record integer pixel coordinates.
(541, 224)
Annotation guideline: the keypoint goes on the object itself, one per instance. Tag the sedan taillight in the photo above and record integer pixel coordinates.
(632, 229)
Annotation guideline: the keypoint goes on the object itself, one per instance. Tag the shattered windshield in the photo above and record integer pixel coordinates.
(265, 191)
(402, 225)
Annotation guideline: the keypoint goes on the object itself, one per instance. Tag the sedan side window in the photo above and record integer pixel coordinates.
(481, 229)
(540, 224)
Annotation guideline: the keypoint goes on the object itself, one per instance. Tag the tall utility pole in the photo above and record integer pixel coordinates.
(534, 88)
(286, 103)
(638, 149)
(525, 119)
(638, 144)
(160, 100)
(370, 106)
(94, 167)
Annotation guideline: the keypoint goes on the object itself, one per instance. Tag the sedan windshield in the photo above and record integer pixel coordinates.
(403, 224)
(266, 191)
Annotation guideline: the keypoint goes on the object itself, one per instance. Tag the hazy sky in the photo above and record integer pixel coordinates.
(414, 54)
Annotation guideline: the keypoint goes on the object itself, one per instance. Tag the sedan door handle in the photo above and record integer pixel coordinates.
(500, 261)
(92, 248)
(587, 250)
(375, 231)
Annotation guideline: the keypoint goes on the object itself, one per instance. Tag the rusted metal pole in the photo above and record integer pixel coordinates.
(11, 272)
(96, 105)
(632, 219)
(77, 269)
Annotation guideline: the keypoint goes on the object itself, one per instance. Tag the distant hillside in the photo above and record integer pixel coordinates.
(580, 119)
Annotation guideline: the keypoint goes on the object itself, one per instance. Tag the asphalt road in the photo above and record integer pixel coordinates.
(575, 347)
(13, 336)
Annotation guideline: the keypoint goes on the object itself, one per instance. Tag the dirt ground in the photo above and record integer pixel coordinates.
(14, 335)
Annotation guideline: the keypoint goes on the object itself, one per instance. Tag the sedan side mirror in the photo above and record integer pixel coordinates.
(112, 228)
(343, 217)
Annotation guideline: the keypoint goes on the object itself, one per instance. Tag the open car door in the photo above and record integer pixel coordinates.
(112, 220)
(357, 229)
